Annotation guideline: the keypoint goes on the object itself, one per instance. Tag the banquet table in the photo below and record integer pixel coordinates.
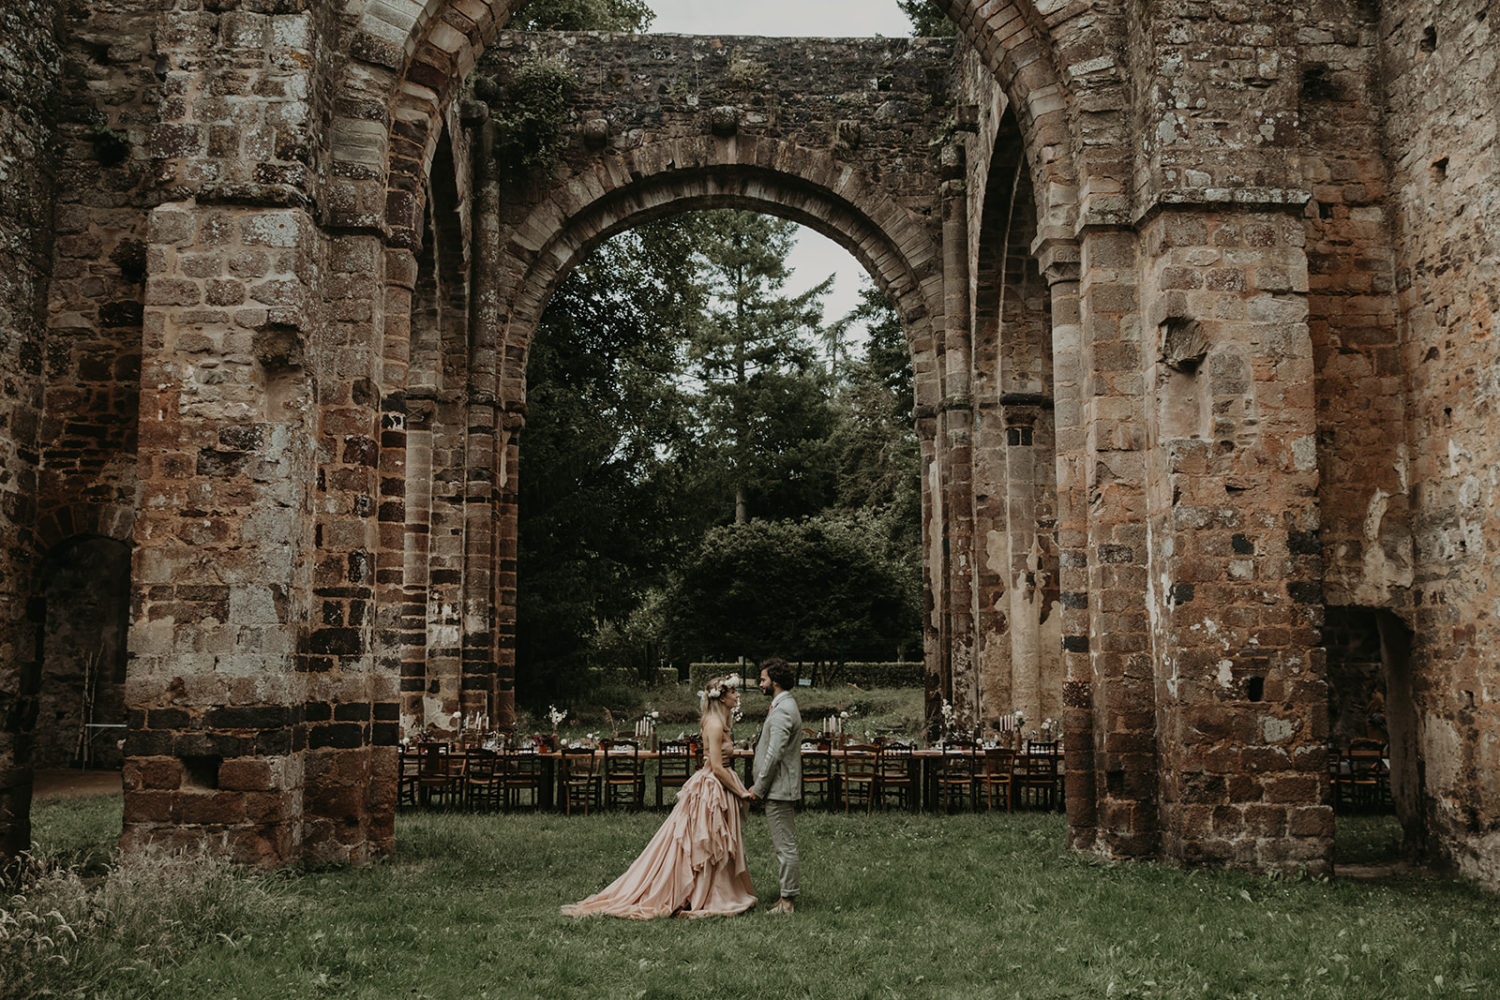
(922, 766)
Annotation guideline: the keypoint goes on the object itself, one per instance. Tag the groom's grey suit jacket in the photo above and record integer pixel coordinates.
(778, 753)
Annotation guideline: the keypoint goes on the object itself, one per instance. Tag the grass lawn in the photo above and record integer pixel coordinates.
(894, 906)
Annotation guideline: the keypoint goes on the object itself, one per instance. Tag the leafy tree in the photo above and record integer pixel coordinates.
(818, 588)
(926, 20)
(607, 502)
(880, 464)
(582, 15)
(765, 412)
(876, 441)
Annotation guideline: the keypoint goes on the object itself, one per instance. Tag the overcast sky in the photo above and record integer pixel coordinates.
(782, 18)
(815, 256)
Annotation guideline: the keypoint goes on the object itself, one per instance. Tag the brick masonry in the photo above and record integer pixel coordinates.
(1199, 295)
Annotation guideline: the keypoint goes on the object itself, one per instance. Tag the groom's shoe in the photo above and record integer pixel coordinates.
(782, 906)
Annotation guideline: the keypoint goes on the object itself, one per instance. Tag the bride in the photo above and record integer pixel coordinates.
(695, 865)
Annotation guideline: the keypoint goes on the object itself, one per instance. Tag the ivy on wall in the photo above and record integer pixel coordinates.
(531, 116)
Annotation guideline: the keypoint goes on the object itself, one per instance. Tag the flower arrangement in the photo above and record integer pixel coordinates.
(950, 716)
(717, 689)
(556, 716)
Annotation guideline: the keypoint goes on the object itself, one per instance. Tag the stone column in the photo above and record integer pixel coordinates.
(993, 624)
(1113, 476)
(1242, 702)
(955, 426)
(1059, 264)
(507, 533)
(221, 568)
(934, 572)
(485, 449)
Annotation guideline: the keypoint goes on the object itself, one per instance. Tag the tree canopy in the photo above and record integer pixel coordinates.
(927, 21)
(819, 588)
(689, 441)
(582, 15)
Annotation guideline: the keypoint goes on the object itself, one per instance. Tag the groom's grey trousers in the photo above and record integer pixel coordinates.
(781, 817)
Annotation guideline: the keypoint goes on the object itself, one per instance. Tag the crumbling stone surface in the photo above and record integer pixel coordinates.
(1441, 77)
(1198, 294)
(29, 78)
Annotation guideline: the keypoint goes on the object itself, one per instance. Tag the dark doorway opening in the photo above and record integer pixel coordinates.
(1373, 768)
(84, 614)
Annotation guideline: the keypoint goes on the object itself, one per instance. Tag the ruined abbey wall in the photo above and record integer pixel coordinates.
(1199, 295)
(1441, 75)
(29, 71)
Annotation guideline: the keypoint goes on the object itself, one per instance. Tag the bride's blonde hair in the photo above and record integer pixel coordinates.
(711, 700)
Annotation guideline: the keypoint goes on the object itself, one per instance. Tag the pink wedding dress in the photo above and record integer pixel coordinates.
(693, 867)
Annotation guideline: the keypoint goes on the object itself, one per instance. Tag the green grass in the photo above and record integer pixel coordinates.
(1367, 839)
(893, 906)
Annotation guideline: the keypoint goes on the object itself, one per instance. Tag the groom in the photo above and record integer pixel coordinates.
(778, 773)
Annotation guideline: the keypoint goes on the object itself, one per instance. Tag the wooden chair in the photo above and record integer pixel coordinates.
(406, 783)
(895, 774)
(998, 770)
(859, 775)
(1368, 778)
(674, 765)
(521, 772)
(624, 774)
(438, 775)
(483, 783)
(817, 772)
(1039, 775)
(579, 778)
(956, 773)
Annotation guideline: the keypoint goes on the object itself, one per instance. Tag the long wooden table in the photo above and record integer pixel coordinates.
(923, 773)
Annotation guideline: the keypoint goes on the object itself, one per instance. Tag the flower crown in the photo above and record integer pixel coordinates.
(717, 689)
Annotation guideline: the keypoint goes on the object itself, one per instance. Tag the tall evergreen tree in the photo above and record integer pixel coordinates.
(607, 504)
(765, 408)
(926, 20)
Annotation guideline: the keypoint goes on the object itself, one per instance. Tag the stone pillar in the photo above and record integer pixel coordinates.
(993, 624)
(422, 534)
(507, 534)
(1118, 640)
(1235, 583)
(485, 446)
(934, 572)
(481, 466)
(216, 682)
(1059, 263)
(955, 426)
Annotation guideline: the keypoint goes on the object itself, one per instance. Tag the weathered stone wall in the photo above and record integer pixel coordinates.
(29, 79)
(237, 709)
(1364, 487)
(1442, 87)
(1234, 599)
(87, 435)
